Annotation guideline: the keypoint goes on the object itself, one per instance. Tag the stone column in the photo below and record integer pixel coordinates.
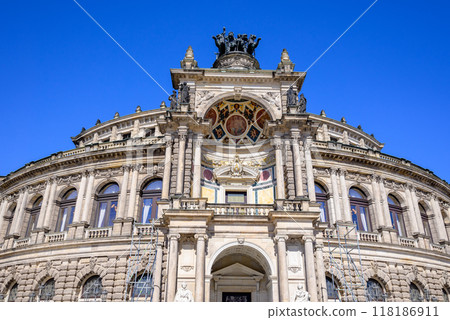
(385, 204)
(167, 168)
(79, 202)
(295, 133)
(416, 209)
(181, 156)
(411, 211)
(323, 295)
(347, 216)
(50, 205)
(20, 214)
(377, 201)
(279, 168)
(335, 194)
(85, 217)
(282, 268)
(131, 214)
(172, 267)
(157, 273)
(200, 268)
(3, 210)
(123, 192)
(309, 170)
(41, 218)
(310, 268)
(196, 187)
(438, 220)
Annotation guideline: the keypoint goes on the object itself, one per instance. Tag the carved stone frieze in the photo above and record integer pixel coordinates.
(202, 97)
(273, 98)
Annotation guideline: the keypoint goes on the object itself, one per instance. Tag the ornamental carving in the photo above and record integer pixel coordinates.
(321, 172)
(203, 97)
(109, 173)
(236, 170)
(187, 268)
(69, 180)
(273, 98)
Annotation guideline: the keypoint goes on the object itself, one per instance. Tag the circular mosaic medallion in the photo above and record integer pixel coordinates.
(236, 125)
(207, 174)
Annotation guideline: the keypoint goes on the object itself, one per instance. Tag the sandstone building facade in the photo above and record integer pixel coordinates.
(245, 194)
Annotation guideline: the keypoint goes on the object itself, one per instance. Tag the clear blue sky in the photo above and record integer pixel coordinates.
(60, 72)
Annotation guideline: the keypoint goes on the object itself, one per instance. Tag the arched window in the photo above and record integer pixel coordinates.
(12, 294)
(375, 291)
(107, 206)
(395, 210)
(321, 198)
(425, 222)
(150, 194)
(414, 293)
(142, 289)
(47, 290)
(10, 218)
(92, 289)
(445, 294)
(332, 290)
(360, 209)
(67, 207)
(34, 216)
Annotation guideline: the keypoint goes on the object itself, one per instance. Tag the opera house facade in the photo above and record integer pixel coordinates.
(230, 191)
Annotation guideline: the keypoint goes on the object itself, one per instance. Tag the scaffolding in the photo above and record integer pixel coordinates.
(141, 263)
(342, 255)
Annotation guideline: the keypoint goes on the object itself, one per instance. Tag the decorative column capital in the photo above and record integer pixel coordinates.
(334, 171)
(308, 239)
(174, 236)
(342, 172)
(201, 236)
(198, 141)
(280, 238)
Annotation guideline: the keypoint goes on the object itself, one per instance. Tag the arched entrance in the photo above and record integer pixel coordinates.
(240, 273)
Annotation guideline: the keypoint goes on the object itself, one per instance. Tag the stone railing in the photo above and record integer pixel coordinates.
(368, 236)
(98, 233)
(240, 209)
(329, 233)
(406, 242)
(55, 237)
(437, 247)
(292, 205)
(20, 243)
(192, 204)
(144, 229)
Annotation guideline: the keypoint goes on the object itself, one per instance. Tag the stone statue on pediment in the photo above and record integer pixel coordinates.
(302, 104)
(291, 97)
(173, 100)
(184, 93)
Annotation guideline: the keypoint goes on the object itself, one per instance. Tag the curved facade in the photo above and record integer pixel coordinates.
(249, 196)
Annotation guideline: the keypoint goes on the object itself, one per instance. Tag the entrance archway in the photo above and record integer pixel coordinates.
(240, 273)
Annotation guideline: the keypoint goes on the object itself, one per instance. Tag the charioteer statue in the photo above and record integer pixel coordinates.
(241, 43)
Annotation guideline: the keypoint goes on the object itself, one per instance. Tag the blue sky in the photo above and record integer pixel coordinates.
(60, 72)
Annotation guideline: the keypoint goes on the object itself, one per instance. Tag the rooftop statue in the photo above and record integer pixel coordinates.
(229, 43)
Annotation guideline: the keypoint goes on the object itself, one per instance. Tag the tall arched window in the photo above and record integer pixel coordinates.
(107, 206)
(395, 210)
(321, 198)
(150, 194)
(375, 291)
(34, 216)
(360, 209)
(425, 222)
(47, 290)
(143, 287)
(414, 293)
(9, 218)
(67, 207)
(332, 290)
(92, 289)
(12, 294)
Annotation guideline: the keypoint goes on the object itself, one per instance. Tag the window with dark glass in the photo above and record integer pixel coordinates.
(9, 219)
(321, 198)
(445, 295)
(67, 207)
(236, 197)
(47, 290)
(332, 291)
(396, 212)
(143, 287)
(415, 293)
(375, 291)
(107, 206)
(425, 222)
(12, 295)
(34, 216)
(150, 195)
(92, 288)
(359, 206)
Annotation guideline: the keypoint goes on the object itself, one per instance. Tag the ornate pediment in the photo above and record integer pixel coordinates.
(236, 171)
